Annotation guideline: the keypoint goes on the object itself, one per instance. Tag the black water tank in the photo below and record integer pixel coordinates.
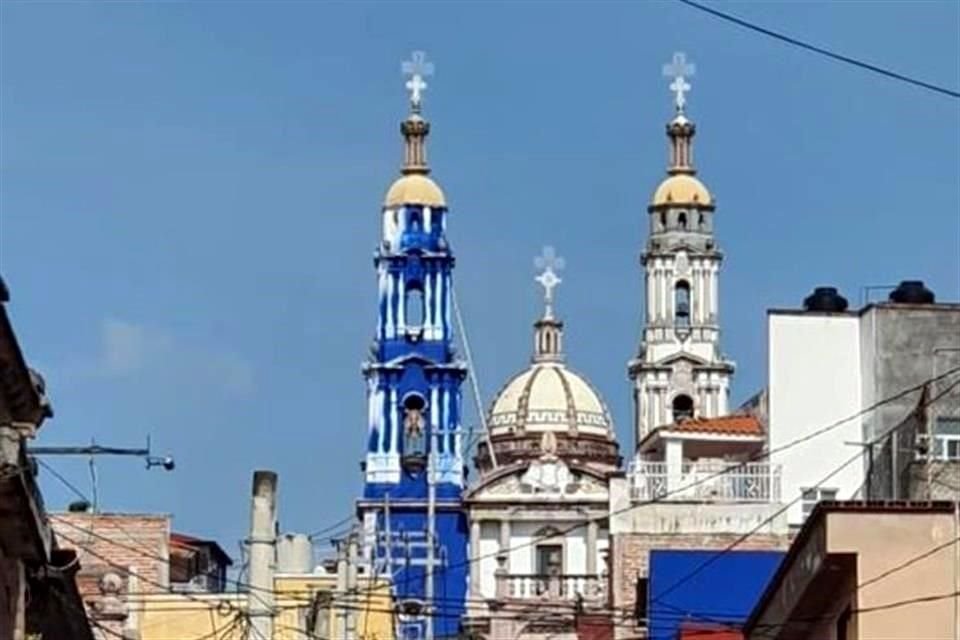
(912, 292)
(825, 299)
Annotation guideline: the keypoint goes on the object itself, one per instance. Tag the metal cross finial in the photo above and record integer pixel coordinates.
(417, 68)
(549, 263)
(679, 69)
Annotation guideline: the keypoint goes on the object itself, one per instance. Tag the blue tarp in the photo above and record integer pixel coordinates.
(705, 586)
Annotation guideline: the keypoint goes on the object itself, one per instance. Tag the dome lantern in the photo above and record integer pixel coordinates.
(415, 187)
(681, 187)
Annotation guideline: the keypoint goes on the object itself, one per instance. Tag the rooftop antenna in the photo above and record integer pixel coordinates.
(93, 449)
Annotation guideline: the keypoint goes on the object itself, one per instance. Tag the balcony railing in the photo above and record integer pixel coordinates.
(706, 482)
(552, 587)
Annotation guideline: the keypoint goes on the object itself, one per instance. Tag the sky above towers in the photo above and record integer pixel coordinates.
(190, 195)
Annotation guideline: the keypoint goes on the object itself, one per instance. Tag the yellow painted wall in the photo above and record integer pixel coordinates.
(220, 616)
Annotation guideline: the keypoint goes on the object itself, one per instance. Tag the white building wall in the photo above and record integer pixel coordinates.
(814, 378)
(489, 546)
(521, 547)
(575, 552)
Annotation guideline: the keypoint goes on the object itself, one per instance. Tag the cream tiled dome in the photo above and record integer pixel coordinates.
(549, 397)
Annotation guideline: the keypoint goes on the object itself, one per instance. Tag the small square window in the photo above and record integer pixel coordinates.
(947, 426)
(946, 438)
(811, 496)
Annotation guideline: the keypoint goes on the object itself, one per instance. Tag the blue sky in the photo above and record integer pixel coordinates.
(190, 196)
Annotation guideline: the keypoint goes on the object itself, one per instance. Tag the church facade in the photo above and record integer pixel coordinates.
(538, 511)
(552, 537)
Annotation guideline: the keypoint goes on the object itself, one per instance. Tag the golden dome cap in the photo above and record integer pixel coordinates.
(682, 189)
(414, 188)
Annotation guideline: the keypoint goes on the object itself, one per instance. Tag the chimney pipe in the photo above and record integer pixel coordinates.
(262, 542)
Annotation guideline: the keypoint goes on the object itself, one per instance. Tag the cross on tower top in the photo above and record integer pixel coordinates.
(549, 263)
(679, 69)
(417, 68)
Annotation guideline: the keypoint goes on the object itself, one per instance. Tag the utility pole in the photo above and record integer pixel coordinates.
(431, 535)
(388, 534)
(340, 628)
(263, 531)
(352, 592)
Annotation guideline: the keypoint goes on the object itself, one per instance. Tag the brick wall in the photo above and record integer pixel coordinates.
(113, 542)
(631, 554)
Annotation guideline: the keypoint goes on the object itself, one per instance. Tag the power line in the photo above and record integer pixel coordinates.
(820, 50)
(708, 477)
(713, 558)
(63, 480)
(335, 525)
(681, 489)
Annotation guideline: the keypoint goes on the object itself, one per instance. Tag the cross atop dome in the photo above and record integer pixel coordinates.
(548, 330)
(417, 68)
(549, 263)
(679, 69)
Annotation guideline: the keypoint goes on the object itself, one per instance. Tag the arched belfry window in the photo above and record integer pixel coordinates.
(663, 220)
(682, 219)
(413, 307)
(682, 408)
(681, 304)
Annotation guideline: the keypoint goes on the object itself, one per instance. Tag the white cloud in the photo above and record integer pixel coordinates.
(129, 349)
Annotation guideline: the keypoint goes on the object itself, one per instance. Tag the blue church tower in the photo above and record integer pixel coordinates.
(415, 527)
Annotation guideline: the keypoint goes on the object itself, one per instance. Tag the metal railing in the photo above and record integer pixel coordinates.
(714, 481)
(552, 587)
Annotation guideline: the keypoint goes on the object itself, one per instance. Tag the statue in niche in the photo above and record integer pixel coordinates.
(413, 429)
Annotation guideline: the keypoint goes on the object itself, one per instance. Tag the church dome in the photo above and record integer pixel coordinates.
(414, 188)
(549, 397)
(680, 189)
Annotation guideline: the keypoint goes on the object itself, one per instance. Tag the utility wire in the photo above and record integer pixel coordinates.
(335, 525)
(660, 498)
(820, 50)
(708, 477)
(713, 558)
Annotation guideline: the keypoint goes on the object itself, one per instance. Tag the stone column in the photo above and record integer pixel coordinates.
(505, 542)
(592, 547)
(475, 559)
(673, 456)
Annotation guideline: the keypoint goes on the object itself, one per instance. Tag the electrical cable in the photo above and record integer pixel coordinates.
(333, 526)
(732, 468)
(805, 438)
(820, 50)
(713, 558)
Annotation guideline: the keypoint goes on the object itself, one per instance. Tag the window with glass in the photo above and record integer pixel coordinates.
(946, 438)
(682, 305)
(812, 495)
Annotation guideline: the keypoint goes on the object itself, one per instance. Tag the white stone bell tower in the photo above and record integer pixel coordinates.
(680, 371)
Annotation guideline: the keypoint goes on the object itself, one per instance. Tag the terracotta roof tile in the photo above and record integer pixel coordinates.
(734, 425)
